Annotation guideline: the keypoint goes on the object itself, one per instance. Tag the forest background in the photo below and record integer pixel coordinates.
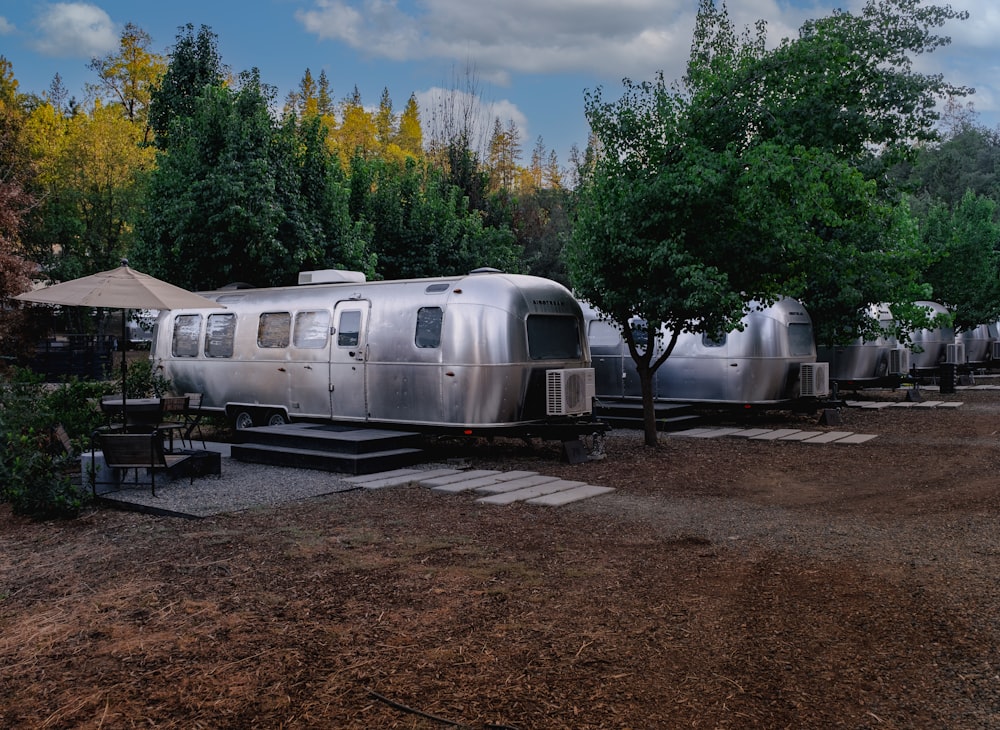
(190, 171)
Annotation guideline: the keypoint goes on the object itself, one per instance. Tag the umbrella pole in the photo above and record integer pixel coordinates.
(121, 347)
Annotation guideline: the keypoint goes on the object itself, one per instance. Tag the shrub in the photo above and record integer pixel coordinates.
(37, 476)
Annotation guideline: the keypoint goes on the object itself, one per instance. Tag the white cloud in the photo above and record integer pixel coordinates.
(75, 30)
(442, 109)
(608, 41)
(6, 27)
(634, 38)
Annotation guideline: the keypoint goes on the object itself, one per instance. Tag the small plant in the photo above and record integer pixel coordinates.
(141, 381)
(37, 475)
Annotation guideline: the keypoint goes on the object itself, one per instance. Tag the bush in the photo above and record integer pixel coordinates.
(37, 476)
(142, 382)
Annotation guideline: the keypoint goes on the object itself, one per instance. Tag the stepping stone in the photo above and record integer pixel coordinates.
(477, 482)
(856, 438)
(380, 475)
(400, 479)
(951, 403)
(777, 434)
(557, 499)
(692, 432)
(515, 484)
(800, 436)
(457, 477)
(717, 432)
(751, 432)
(828, 437)
(519, 495)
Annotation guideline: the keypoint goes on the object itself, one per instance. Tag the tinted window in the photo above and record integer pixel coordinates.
(219, 335)
(187, 329)
(429, 321)
(273, 329)
(553, 337)
(311, 329)
(800, 340)
(708, 340)
(349, 328)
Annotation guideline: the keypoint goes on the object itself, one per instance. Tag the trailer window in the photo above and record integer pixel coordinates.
(604, 334)
(708, 340)
(273, 329)
(187, 329)
(311, 329)
(800, 340)
(220, 332)
(553, 337)
(429, 321)
(349, 329)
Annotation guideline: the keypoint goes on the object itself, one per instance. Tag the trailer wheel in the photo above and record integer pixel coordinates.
(243, 419)
(276, 418)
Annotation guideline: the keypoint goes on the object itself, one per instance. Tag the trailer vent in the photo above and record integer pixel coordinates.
(331, 276)
(955, 354)
(899, 361)
(814, 379)
(569, 392)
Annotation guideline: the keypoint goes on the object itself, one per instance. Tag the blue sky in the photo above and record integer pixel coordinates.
(529, 61)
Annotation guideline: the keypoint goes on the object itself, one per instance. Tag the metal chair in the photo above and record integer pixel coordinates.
(192, 419)
(173, 407)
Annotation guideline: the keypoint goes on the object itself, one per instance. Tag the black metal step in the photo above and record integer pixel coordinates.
(366, 463)
(331, 438)
(628, 414)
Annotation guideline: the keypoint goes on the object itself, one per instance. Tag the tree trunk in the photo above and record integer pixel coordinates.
(648, 409)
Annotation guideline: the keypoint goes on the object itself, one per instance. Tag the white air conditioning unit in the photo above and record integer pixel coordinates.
(569, 392)
(955, 354)
(899, 361)
(814, 379)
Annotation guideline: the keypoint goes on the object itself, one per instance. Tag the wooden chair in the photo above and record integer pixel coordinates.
(124, 451)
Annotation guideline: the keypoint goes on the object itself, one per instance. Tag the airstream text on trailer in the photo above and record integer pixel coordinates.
(477, 354)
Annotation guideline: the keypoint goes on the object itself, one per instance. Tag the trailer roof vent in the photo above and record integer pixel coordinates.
(486, 270)
(331, 276)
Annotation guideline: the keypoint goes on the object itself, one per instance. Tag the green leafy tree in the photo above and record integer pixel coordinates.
(423, 224)
(748, 183)
(214, 210)
(194, 64)
(965, 274)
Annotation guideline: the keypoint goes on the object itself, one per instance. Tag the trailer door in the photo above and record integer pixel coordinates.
(348, 356)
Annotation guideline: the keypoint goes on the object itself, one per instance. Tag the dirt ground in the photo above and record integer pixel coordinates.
(726, 583)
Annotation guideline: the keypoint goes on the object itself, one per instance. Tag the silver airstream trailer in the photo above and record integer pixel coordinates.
(481, 353)
(929, 347)
(976, 346)
(759, 365)
(867, 362)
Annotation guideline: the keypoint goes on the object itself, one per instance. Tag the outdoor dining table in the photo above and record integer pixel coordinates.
(144, 413)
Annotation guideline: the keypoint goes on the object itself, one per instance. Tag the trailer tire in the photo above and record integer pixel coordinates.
(276, 418)
(243, 419)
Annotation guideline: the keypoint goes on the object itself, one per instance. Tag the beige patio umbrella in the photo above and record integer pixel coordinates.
(122, 288)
